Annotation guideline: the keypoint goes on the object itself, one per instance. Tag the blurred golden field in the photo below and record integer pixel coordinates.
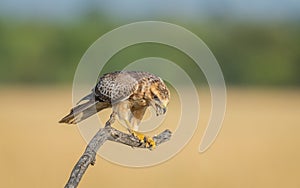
(258, 146)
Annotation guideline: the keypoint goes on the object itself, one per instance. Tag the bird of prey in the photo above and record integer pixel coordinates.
(129, 94)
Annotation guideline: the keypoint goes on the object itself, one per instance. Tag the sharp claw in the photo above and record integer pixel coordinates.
(150, 143)
(141, 137)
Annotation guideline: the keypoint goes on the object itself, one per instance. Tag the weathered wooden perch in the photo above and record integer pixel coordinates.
(104, 134)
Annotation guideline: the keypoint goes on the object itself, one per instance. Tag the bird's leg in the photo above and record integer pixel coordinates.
(150, 143)
(111, 120)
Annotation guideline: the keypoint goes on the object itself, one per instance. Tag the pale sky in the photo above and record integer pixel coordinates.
(68, 9)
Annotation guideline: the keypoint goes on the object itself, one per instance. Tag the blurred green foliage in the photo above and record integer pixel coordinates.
(249, 53)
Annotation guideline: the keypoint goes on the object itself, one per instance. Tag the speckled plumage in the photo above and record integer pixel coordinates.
(120, 85)
(129, 93)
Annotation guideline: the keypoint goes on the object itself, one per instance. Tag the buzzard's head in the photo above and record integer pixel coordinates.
(160, 96)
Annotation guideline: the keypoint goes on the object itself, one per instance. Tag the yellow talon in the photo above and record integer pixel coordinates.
(150, 143)
(139, 136)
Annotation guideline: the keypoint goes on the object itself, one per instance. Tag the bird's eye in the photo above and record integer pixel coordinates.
(155, 97)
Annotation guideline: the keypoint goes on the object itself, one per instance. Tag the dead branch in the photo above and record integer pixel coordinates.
(104, 134)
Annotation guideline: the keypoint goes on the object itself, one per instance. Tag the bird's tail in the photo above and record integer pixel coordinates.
(82, 111)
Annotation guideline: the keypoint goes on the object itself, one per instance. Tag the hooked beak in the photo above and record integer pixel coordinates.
(160, 109)
(164, 110)
(164, 107)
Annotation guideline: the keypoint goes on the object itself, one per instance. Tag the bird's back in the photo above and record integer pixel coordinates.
(119, 85)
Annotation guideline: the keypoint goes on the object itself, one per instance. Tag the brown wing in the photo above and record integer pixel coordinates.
(120, 85)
